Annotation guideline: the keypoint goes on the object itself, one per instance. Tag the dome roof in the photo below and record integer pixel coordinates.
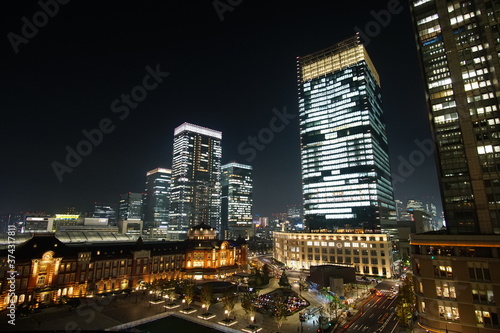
(202, 231)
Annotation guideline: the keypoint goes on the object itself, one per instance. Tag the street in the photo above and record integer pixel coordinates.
(379, 314)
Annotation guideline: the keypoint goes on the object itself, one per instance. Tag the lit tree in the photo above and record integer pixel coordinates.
(331, 307)
(406, 307)
(229, 301)
(188, 291)
(168, 289)
(248, 300)
(206, 296)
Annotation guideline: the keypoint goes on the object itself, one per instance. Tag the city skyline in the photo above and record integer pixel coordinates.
(224, 93)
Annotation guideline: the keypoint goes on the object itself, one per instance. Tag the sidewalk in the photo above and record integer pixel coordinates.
(102, 313)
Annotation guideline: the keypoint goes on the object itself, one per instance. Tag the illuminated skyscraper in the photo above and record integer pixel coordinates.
(105, 210)
(345, 162)
(130, 207)
(195, 195)
(237, 199)
(456, 271)
(157, 197)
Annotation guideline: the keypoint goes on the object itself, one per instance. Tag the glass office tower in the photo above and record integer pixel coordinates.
(195, 195)
(456, 271)
(157, 197)
(237, 199)
(345, 162)
(130, 206)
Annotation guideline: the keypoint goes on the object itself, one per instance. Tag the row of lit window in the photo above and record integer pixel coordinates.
(343, 157)
(487, 149)
(477, 85)
(316, 202)
(333, 118)
(319, 114)
(329, 210)
(323, 154)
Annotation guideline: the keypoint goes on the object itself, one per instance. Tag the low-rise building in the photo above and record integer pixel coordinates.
(369, 254)
(46, 269)
(456, 279)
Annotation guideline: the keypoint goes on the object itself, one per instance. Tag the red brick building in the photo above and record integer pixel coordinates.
(48, 269)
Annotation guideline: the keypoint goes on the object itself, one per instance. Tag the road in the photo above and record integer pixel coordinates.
(379, 313)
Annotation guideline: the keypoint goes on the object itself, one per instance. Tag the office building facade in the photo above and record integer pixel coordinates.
(105, 210)
(130, 206)
(368, 254)
(456, 271)
(195, 195)
(344, 152)
(157, 198)
(237, 199)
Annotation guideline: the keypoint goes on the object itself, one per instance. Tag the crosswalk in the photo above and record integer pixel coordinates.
(387, 292)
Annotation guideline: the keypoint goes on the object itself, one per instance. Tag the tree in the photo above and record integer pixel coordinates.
(248, 300)
(169, 289)
(265, 273)
(281, 310)
(229, 301)
(207, 294)
(188, 291)
(406, 307)
(331, 307)
(283, 282)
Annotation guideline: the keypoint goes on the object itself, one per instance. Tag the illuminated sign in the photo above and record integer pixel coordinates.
(66, 217)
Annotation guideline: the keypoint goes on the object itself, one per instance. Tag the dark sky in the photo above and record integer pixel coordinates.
(226, 74)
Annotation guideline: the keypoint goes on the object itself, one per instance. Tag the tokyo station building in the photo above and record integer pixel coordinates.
(48, 269)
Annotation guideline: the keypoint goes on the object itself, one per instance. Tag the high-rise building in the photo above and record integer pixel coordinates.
(105, 210)
(237, 199)
(456, 271)
(195, 195)
(345, 162)
(157, 198)
(130, 207)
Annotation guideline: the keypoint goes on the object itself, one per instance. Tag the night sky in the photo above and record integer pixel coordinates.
(226, 74)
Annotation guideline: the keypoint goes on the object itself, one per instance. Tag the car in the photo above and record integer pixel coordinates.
(390, 297)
